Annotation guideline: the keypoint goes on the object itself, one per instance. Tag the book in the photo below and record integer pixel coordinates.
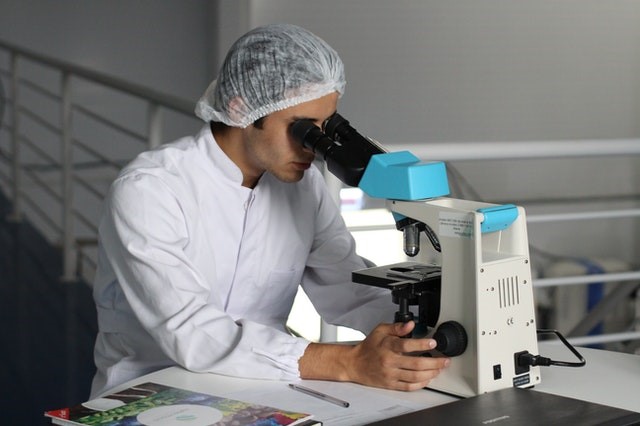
(517, 407)
(153, 404)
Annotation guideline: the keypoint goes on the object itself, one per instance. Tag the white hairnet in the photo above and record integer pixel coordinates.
(269, 69)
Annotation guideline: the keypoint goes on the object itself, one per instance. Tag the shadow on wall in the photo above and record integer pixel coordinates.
(47, 327)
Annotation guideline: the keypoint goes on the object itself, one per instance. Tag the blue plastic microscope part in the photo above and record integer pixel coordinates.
(497, 218)
(402, 176)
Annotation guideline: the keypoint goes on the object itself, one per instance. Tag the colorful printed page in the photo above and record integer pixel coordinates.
(152, 404)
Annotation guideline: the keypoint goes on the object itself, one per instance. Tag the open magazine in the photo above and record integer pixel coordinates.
(152, 404)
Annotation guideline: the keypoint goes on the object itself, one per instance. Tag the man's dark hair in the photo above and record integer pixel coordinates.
(259, 123)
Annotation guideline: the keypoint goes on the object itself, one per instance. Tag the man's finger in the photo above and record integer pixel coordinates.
(417, 376)
(415, 345)
(401, 329)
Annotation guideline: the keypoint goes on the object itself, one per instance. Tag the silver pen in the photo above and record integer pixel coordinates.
(320, 395)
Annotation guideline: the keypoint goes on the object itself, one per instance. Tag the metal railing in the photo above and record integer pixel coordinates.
(44, 175)
(53, 172)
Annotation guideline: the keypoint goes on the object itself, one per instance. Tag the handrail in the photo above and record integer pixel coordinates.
(110, 123)
(559, 217)
(62, 185)
(451, 151)
(587, 279)
(599, 339)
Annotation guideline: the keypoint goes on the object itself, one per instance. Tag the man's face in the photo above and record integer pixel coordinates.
(273, 149)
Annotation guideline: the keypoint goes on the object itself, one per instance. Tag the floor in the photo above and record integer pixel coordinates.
(47, 328)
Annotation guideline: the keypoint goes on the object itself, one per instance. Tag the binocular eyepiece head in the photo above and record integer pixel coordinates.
(345, 151)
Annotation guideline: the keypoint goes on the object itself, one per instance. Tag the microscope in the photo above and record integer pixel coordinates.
(477, 303)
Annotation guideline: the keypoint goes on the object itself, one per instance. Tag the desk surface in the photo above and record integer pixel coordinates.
(609, 378)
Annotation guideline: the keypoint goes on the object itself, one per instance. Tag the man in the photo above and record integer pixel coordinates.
(204, 241)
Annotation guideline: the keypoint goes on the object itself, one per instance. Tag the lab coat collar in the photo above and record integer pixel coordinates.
(220, 160)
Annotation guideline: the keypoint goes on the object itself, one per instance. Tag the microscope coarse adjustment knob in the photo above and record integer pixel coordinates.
(451, 338)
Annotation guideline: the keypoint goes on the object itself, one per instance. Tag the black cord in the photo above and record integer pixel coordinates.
(559, 335)
(528, 359)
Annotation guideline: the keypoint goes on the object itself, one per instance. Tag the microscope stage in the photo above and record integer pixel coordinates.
(397, 274)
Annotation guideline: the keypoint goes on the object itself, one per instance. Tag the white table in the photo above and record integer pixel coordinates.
(609, 378)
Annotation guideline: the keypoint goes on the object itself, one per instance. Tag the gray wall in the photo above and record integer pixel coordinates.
(418, 71)
(491, 70)
(166, 45)
(498, 70)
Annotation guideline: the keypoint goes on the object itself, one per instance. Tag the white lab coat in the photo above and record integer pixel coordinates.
(198, 271)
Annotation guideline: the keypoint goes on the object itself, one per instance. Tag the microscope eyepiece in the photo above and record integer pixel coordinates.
(336, 125)
(345, 158)
(338, 128)
(311, 137)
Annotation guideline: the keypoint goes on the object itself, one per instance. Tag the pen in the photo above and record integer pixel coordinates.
(319, 395)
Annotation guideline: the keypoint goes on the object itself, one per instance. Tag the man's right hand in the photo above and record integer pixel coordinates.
(383, 359)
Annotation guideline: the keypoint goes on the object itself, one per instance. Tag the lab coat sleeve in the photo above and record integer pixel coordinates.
(144, 232)
(327, 278)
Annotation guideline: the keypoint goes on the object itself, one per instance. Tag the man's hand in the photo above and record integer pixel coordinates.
(382, 360)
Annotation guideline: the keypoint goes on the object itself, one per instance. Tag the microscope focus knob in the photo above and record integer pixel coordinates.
(451, 338)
